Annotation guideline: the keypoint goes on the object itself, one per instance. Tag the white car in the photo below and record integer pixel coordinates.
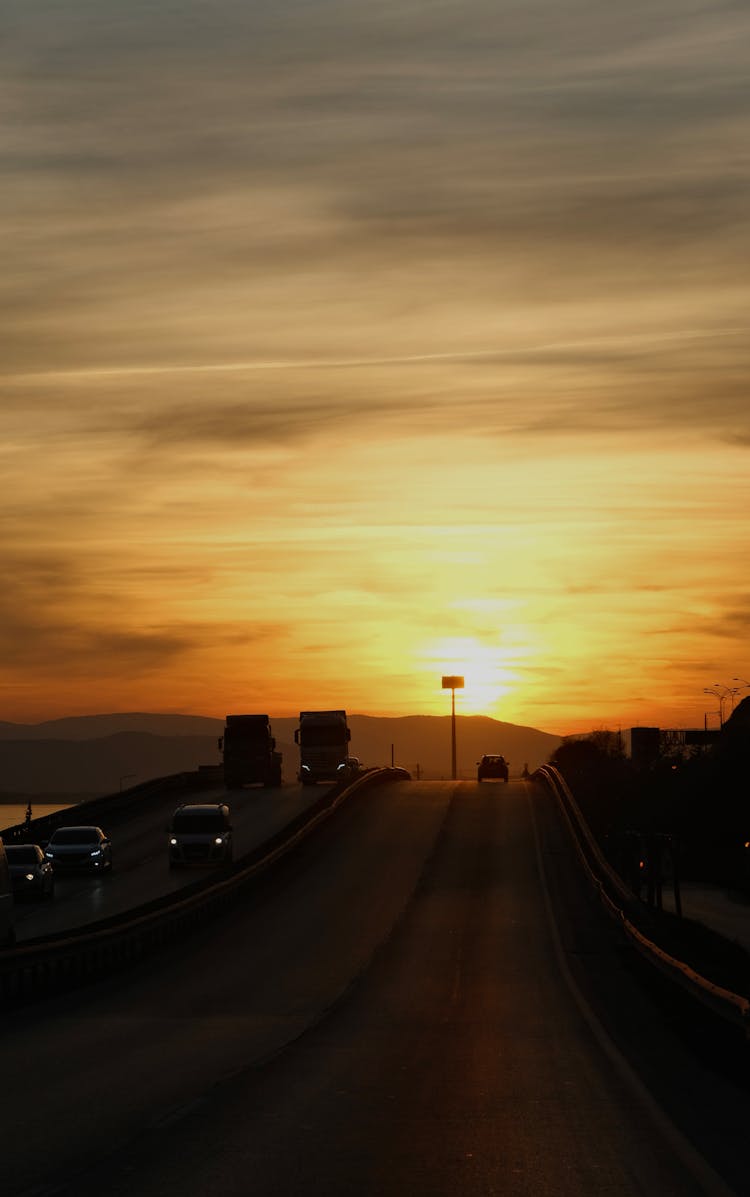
(82, 849)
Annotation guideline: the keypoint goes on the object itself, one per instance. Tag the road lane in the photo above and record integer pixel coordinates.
(454, 1059)
(141, 868)
(460, 1066)
(98, 1068)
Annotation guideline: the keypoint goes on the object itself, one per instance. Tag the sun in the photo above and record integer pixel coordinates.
(485, 668)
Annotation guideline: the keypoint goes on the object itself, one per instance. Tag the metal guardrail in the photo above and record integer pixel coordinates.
(49, 966)
(611, 890)
(94, 810)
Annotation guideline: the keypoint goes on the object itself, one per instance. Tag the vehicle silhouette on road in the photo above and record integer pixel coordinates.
(80, 849)
(492, 766)
(200, 834)
(31, 874)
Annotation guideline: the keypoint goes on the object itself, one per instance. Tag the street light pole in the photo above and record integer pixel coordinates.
(717, 694)
(453, 683)
(722, 692)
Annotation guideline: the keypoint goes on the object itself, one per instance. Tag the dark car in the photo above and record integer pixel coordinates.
(80, 849)
(7, 929)
(31, 875)
(492, 766)
(200, 835)
(351, 767)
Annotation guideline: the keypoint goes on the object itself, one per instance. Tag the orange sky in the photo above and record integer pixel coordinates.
(345, 346)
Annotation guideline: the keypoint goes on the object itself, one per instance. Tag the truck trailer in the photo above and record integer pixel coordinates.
(323, 738)
(249, 751)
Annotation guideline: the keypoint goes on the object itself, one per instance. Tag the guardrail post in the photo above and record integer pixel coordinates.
(675, 847)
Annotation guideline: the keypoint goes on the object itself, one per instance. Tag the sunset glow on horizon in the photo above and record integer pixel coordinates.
(346, 346)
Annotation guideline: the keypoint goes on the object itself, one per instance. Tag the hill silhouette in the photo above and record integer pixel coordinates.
(97, 754)
(425, 741)
(94, 727)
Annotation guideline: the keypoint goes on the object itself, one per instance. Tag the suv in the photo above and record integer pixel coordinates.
(492, 766)
(200, 835)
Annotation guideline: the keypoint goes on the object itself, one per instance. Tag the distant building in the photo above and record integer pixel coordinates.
(645, 746)
(650, 744)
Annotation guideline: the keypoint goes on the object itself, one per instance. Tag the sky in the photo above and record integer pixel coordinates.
(348, 345)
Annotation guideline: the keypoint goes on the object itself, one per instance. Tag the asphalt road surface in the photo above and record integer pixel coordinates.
(141, 867)
(423, 1001)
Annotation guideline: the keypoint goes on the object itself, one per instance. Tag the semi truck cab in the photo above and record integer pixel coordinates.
(323, 738)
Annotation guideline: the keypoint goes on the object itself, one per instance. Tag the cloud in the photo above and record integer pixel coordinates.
(690, 383)
(733, 620)
(38, 642)
(373, 306)
(41, 627)
(42, 642)
(405, 187)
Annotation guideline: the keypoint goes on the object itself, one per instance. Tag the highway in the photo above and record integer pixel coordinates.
(141, 870)
(422, 1000)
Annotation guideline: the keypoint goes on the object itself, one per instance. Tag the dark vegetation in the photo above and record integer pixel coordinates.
(687, 812)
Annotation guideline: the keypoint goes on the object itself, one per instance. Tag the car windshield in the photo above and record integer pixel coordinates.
(75, 835)
(198, 823)
(324, 736)
(21, 854)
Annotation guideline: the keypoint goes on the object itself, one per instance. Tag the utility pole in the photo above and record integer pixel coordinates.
(453, 683)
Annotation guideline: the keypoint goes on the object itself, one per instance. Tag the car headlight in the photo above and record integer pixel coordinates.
(219, 839)
(173, 840)
(29, 876)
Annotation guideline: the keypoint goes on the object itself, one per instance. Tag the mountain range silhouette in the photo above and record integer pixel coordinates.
(98, 754)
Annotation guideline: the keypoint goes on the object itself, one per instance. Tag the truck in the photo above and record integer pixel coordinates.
(323, 738)
(249, 752)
